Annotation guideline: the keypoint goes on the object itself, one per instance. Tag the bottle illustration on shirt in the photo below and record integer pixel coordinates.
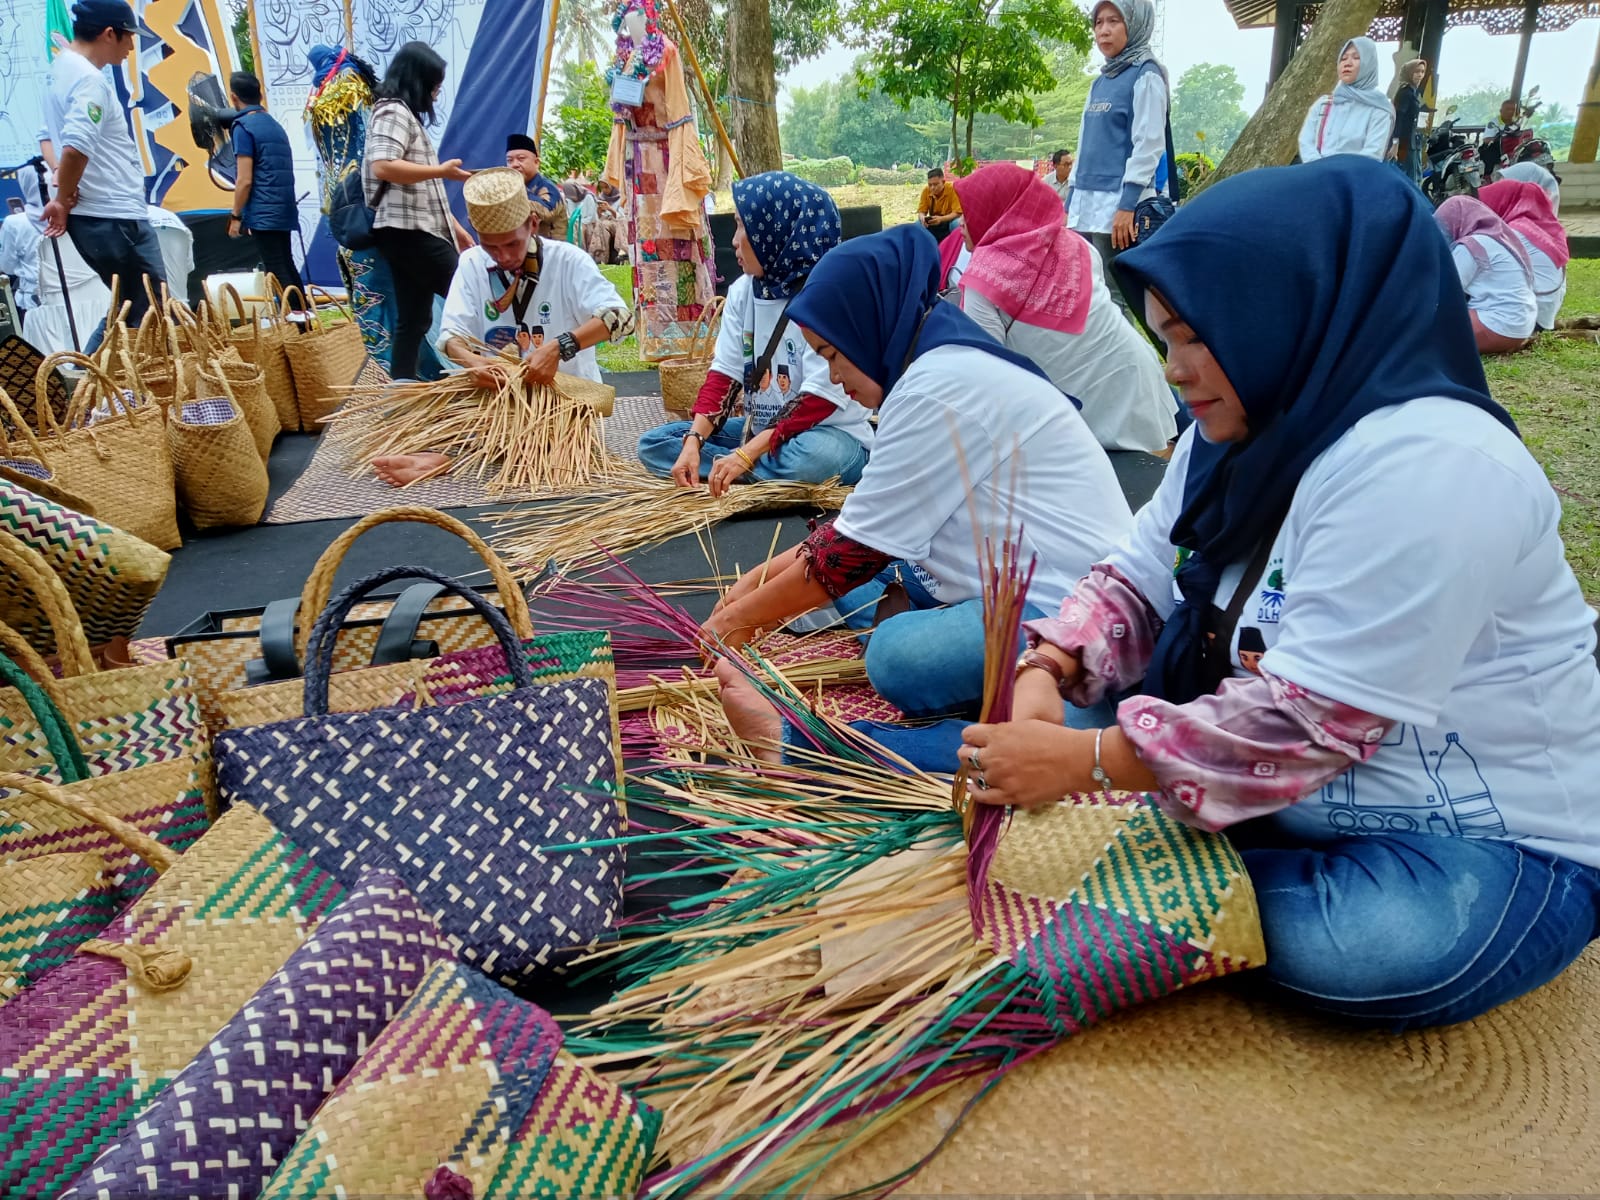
(1455, 801)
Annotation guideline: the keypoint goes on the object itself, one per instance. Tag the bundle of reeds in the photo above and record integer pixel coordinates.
(853, 957)
(587, 530)
(517, 439)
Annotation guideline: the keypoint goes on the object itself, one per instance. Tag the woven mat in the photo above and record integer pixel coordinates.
(1209, 1092)
(325, 491)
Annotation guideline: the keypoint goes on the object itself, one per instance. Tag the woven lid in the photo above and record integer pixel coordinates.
(497, 200)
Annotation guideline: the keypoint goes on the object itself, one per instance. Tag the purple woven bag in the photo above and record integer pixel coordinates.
(226, 1120)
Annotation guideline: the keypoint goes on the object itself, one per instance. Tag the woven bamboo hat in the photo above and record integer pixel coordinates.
(497, 200)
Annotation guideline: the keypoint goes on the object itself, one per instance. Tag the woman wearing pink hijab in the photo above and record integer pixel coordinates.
(1526, 208)
(1495, 272)
(1037, 288)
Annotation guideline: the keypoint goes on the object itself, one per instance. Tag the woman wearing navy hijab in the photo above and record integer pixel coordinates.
(946, 393)
(1371, 662)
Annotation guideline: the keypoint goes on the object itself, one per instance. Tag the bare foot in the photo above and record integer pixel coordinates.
(397, 470)
(754, 720)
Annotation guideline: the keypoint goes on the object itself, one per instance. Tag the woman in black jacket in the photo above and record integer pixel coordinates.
(1406, 148)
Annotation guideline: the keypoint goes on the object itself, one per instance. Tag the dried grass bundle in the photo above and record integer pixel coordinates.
(588, 531)
(518, 439)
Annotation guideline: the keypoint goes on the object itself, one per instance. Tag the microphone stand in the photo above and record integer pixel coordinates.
(37, 163)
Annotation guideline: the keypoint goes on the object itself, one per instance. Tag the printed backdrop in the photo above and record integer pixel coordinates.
(496, 51)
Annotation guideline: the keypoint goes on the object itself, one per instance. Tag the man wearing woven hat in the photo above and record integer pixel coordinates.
(514, 281)
(522, 154)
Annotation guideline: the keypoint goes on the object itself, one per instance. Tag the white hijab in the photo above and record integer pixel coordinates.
(1530, 172)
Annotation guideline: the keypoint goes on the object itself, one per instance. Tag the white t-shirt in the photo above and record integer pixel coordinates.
(82, 111)
(1549, 284)
(1351, 129)
(570, 291)
(1420, 576)
(1028, 453)
(1501, 292)
(746, 328)
(1109, 367)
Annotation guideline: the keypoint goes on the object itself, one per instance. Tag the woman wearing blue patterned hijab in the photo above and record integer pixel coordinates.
(797, 424)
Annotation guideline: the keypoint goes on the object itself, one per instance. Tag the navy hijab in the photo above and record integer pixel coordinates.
(875, 300)
(1317, 322)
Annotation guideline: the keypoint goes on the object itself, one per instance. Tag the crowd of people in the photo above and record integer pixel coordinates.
(1344, 630)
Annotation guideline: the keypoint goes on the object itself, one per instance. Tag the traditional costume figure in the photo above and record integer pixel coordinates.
(656, 160)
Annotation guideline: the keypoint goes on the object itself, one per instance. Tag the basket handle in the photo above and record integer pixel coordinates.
(313, 291)
(701, 344)
(230, 292)
(319, 584)
(72, 644)
(146, 847)
(79, 405)
(324, 634)
(283, 301)
(9, 409)
(26, 679)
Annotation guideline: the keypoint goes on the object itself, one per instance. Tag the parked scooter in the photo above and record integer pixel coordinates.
(1455, 167)
(1516, 142)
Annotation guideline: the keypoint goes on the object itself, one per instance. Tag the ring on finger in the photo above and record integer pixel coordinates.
(972, 761)
(981, 783)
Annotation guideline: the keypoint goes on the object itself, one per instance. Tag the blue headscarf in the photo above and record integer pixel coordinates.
(1302, 317)
(871, 296)
(791, 224)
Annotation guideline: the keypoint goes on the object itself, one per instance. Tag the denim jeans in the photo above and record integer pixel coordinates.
(815, 456)
(126, 249)
(1405, 931)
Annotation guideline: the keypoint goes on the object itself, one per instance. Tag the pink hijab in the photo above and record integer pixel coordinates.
(1465, 220)
(1024, 258)
(1526, 208)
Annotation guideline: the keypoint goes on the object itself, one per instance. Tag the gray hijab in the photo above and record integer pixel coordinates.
(1364, 90)
(1140, 18)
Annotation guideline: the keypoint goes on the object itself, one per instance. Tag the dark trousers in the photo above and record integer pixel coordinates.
(422, 265)
(123, 249)
(277, 256)
(1108, 255)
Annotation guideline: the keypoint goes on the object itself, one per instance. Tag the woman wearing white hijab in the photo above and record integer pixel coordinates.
(1533, 173)
(1357, 118)
(1122, 142)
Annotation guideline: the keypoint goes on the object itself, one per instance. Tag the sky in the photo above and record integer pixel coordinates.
(1201, 31)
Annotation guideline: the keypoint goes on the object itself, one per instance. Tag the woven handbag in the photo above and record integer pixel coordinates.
(472, 1089)
(227, 651)
(124, 721)
(88, 1044)
(118, 462)
(326, 361)
(220, 476)
(260, 343)
(241, 383)
(458, 801)
(51, 904)
(23, 460)
(682, 378)
(224, 1123)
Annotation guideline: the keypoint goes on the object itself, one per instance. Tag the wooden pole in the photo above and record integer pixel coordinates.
(549, 60)
(705, 88)
(1586, 137)
(350, 26)
(1530, 22)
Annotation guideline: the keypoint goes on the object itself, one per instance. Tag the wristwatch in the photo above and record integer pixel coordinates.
(1035, 660)
(568, 346)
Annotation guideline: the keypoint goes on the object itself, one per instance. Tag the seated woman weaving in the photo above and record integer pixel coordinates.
(951, 401)
(797, 424)
(1372, 663)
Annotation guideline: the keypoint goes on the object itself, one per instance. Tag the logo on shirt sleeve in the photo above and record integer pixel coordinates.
(95, 113)
(1271, 610)
(544, 314)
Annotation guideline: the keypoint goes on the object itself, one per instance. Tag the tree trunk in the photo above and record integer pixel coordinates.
(1273, 134)
(971, 115)
(753, 87)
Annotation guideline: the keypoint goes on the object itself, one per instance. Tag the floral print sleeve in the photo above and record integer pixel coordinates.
(1257, 746)
(1109, 627)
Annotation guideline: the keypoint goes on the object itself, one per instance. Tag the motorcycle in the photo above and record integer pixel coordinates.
(1516, 143)
(1454, 167)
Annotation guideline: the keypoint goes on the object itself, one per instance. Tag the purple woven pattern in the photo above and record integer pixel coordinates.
(223, 1124)
(27, 466)
(461, 803)
(215, 411)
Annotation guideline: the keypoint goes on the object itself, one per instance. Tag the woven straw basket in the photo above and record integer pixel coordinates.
(120, 464)
(325, 362)
(220, 476)
(497, 200)
(242, 383)
(682, 378)
(260, 342)
(23, 460)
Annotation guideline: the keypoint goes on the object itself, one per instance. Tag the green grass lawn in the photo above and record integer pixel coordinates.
(1553, 389)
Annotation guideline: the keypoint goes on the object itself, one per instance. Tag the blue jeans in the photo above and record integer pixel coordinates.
(128, 250)
(1405, 931)
(815, 456)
